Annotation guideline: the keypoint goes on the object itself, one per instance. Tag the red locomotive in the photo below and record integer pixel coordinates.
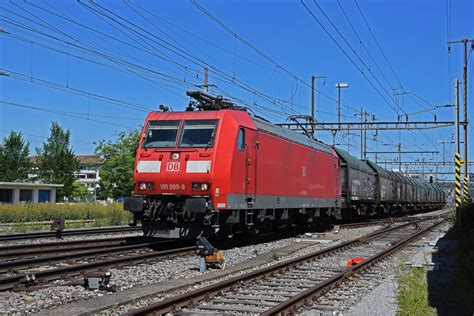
(215, 169)
(219, 170)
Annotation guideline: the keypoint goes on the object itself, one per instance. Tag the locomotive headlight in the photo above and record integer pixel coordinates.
(145, 185)
(175, 156)
(200, 186)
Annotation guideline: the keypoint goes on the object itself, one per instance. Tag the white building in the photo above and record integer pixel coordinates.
(16, 192)
(89, 172)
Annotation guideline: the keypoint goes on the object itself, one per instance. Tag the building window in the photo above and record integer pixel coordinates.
(91, 176)
(6, 196)
(26, 195)
(44, 196)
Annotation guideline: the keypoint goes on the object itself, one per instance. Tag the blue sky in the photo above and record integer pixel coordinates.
(153, 51)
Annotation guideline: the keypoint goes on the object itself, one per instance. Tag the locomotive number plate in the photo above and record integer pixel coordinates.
(173, 166)
(172, 186)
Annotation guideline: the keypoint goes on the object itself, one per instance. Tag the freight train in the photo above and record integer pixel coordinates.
(215, 169)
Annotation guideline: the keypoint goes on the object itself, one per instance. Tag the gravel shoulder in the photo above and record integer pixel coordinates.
(382, 298)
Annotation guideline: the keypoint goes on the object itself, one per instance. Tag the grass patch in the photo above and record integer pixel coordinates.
(412, 296)
(96, 214)
(464, 280)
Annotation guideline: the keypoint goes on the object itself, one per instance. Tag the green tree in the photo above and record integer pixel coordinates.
(80, 192)
(57, 161)
(116, 174)
(14, 161)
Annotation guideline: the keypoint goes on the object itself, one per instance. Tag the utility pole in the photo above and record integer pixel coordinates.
(399, 157)
(456, 113)
(313, 78)
(206, 79)
(465, 123)
(340, 86)
(206, 84)
(442, 155)
(457, 155)
(312, 98)
(363, 133)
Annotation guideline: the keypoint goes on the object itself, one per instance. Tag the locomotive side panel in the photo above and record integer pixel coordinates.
(287, 175)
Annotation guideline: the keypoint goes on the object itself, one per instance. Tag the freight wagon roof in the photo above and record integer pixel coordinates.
(352, 161)
(290, 135)
(381, 171)
(421, 184)
(400, 177)
(411, 181)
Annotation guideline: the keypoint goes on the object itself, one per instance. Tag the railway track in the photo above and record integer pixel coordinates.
(72, 232)
(40, 268)
(40, 249)
(41, 277)
(7, 266)
(56, 260)
(33, 249)
(285, 287)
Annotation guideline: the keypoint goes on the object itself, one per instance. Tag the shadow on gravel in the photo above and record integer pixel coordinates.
(451, 279)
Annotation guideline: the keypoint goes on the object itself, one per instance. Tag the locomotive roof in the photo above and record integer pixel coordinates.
(290, 135)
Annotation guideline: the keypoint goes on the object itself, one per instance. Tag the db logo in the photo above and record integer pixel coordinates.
(172, 166)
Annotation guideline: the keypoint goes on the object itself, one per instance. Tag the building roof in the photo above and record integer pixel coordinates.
(26, 184)
(83, 159)
(90, 159)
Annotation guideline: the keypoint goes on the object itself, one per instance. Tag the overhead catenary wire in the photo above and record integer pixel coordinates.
(115, 60)
(250, 90)
(378, 44)
(261, 53)
(50, 84)
(351, 60)
(44, 137)
(288, 102)
(134, 28)
(78, 115)
(364, 46)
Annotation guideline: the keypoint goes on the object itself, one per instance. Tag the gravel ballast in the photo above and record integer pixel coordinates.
(144, 274)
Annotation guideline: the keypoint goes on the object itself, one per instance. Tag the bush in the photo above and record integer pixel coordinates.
(112, 214)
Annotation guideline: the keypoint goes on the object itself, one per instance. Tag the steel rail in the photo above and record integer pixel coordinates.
(185, 299)
(14, 264)
(291, 306)
(10, 282)
(68, 246)
(73, 232)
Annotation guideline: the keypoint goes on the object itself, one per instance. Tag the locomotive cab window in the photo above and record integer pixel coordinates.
(161, 134)
(241, 139)
(198, 133)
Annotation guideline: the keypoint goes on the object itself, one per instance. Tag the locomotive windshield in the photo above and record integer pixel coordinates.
(198, 133)
(161, 134)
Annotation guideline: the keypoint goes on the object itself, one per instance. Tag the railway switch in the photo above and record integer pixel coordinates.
(209, 256)
(99, 281)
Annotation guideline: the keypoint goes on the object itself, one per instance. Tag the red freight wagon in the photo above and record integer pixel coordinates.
(219, 171)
